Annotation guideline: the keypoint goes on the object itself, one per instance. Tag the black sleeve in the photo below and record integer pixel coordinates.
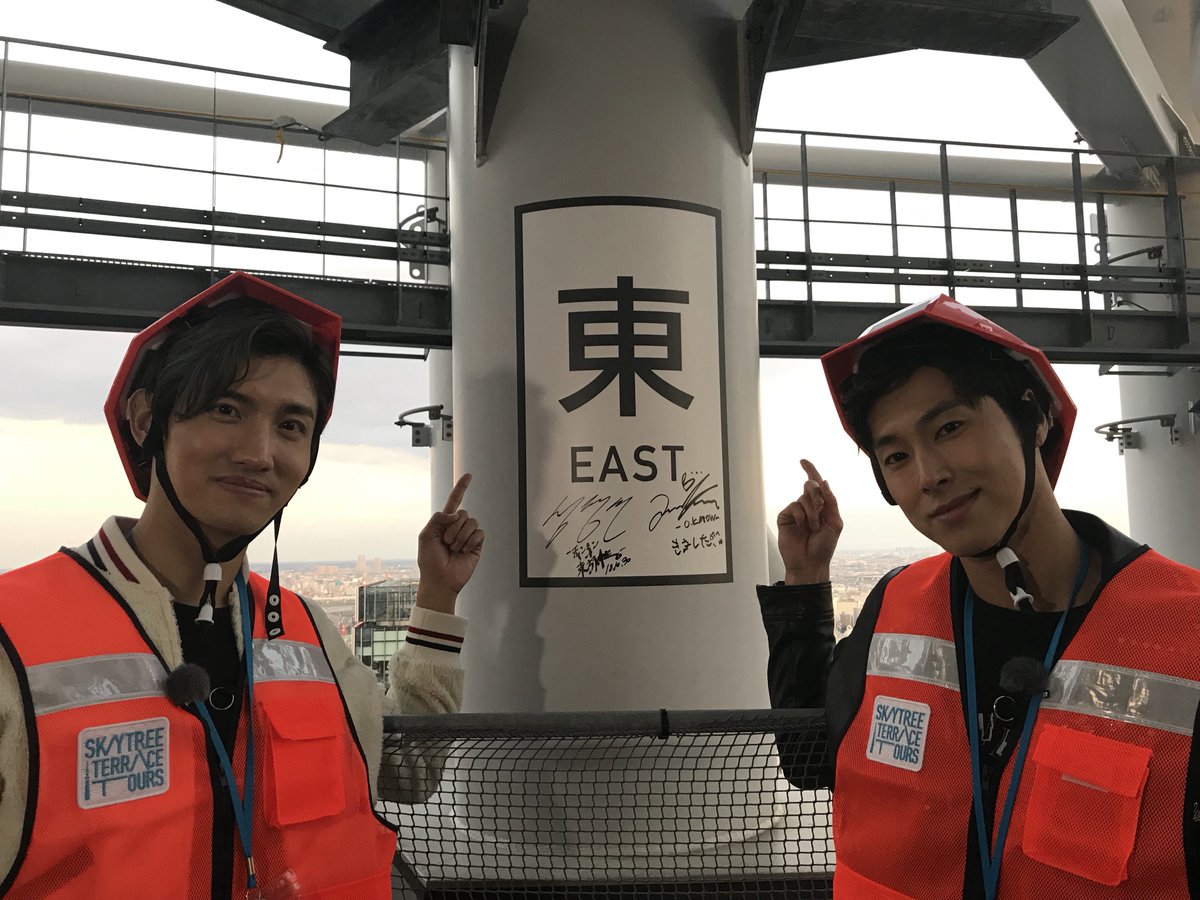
(804, 669)
(848, 670)
(799, 624)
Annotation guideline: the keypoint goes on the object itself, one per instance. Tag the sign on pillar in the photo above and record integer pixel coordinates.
(624, 474)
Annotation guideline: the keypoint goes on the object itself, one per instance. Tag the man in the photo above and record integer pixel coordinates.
(172, 724)
(1014, 717)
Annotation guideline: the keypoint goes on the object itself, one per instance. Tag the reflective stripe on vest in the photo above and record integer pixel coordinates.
(94, 679)
(1127, 695)
(282, 660)
(1087, 688)
(914, 657)
(130, 676)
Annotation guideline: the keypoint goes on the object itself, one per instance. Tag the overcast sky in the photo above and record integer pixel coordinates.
(370, 492)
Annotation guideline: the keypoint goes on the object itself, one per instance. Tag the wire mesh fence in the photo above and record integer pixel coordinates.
(654, 804)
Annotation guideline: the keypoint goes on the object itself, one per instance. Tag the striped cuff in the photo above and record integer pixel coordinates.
(435, 637)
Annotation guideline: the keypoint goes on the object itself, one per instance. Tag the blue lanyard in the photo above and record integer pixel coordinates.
(243, 806)
(990, 862)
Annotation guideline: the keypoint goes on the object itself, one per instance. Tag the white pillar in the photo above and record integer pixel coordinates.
(623, 98)
(441, 452)
(1162, 478)
(441, 375)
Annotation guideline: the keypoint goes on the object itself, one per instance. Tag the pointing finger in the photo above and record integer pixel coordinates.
(456, 494)
(811, 471)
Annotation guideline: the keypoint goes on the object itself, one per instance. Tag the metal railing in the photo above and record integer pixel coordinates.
(1089, 265)
(681, 804)
(240, 224)
(805, 246)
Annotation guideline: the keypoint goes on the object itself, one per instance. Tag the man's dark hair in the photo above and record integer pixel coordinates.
(976, 368)
(213, 348)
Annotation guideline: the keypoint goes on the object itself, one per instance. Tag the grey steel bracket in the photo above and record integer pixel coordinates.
(1127, 437)
(756, 34)
(414, 228)
(495, 35)
(422, 435)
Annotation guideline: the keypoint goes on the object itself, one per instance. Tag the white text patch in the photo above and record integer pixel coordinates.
(898, 730)
(124, 761)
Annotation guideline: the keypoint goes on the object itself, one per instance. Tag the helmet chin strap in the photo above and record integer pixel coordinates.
(214, 558)
(1014, 578)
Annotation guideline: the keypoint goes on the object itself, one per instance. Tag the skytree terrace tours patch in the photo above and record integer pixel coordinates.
(898, 731)
(123, 762)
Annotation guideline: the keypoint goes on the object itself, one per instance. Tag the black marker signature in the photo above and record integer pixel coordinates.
(590, 560)
(594, 511)
(695, 497)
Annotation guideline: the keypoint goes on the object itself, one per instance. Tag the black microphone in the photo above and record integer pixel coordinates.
(188, 684)
(1023, 676)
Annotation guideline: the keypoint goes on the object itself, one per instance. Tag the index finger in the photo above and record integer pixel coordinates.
(811, 471)
(456, 495)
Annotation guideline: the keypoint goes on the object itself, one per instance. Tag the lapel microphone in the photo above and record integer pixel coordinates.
(187, 684)
(1023, 676)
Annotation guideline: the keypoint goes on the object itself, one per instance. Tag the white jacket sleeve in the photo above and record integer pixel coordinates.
(425, 676)
(14, 766)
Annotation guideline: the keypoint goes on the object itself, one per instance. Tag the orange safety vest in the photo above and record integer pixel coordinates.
(1099, 806)
(121, 793)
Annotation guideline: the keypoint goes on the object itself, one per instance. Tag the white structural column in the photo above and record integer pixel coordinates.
(616, 453)
(441, 375)
(1162, 478)
(441, 451)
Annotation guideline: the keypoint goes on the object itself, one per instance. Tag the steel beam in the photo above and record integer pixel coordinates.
(150, 231)
(90, 207)
(399, 72)
(75, 292)
(320, 18)
(821, 31)
(1120, 335)
(71, 292)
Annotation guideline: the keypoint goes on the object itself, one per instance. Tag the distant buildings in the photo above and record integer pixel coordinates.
(854, 574)
(373, 617)
(384, 609)
(334, 587)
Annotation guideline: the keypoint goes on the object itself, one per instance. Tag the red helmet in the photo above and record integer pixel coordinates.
(326, 328)
(842, 363)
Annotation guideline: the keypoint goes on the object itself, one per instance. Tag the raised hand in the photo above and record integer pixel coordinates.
(809, 528)
(448, 550)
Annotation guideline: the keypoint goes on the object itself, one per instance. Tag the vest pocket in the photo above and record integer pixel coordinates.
(850, 885)
(304, 747)
(1082, 782)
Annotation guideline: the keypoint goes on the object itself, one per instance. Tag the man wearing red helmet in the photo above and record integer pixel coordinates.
(167, 713)
(1006, 719)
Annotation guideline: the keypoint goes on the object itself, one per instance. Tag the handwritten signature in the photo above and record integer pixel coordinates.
(695, 485)
(697, 542)
(596, 511)
(590, 559)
